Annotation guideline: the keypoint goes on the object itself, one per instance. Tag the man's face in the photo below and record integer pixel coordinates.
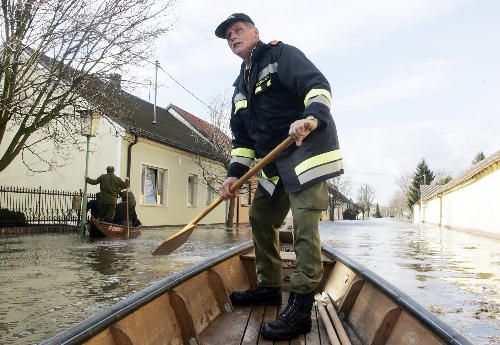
(242, 38)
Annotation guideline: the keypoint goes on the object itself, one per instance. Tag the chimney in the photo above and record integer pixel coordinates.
(115, 81)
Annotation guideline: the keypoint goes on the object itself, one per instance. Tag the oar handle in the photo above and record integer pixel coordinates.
(309, 125)
(263, 162)
(255, 169)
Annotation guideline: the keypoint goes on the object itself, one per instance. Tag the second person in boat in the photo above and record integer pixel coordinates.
(128, 200)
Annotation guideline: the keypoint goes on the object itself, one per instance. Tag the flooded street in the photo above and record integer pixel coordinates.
(50, 282)
(453, 274)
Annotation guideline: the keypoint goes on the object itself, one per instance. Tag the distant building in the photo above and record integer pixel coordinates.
(469, 202)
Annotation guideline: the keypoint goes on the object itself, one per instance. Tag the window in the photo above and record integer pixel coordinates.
(192, 190)
(246, 194)
(211, 191)
(153, 185)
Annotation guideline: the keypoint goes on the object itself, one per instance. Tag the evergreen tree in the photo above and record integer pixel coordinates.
(422, 176)
(479, 157)
(377, 212)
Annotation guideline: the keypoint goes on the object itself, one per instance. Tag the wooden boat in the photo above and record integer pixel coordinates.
(193, 307)
(99, 228)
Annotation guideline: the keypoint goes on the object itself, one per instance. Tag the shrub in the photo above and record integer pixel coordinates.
(350, 214)
(12, 218)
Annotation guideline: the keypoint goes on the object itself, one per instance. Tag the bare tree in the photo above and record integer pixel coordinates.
(442, 178)
(54, 55)
(217, 133)
(366, 195)
(404, 182)
(339, 190)
(398, 204)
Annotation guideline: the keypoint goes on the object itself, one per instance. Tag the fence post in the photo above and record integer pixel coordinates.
(79, 211)
(39, 202)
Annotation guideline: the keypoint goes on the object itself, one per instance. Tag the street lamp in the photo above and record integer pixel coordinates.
(89, 120)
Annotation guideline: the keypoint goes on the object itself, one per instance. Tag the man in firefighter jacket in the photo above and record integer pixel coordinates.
(279, 92)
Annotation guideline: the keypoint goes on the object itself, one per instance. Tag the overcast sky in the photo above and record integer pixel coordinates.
(410, 79)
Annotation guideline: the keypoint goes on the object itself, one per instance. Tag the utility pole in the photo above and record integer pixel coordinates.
(157, 64)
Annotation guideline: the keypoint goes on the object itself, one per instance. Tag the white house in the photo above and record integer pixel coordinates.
(160, 159)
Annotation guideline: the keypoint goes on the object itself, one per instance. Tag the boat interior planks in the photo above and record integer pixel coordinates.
(252, 331)
(373, 315)
(408, 331)
(193, 308)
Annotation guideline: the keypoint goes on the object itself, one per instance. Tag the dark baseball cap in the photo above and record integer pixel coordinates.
(233, 18)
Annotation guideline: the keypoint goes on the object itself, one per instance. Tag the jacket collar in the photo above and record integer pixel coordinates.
(256, 53)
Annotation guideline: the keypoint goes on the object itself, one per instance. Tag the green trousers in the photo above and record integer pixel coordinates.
(266, 217)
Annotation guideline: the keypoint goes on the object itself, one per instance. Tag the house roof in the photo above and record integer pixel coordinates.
(135, 115)
(208, 130)
(426, 190)
(465, 177)
(201, 125)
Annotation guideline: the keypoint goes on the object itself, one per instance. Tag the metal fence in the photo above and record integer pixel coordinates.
(40, 206)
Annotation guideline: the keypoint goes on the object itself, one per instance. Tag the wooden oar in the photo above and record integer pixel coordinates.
(177, 240)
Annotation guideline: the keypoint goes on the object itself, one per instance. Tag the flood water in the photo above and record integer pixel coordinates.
(453, 274)
(50, 282)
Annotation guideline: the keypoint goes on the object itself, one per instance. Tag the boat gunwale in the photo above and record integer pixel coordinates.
(115, 224)
(115, 312)
(135, 230)
(445, 332)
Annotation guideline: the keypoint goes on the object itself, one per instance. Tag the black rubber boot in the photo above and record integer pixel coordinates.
(260, 295)
(293, 321)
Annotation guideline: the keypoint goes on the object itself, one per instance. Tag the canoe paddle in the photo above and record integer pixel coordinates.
(178, 239)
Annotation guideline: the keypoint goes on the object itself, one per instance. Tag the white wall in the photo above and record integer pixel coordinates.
(179, 165)
(432, 211)
(69, 175)
(474, 207)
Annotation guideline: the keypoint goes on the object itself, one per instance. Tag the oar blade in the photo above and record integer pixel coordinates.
(174, 242)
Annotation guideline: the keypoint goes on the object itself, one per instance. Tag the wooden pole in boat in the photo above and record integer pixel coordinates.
(334, 340)
(128, 220)
(336, 320)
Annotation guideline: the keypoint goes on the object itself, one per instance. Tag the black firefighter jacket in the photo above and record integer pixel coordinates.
(283, 86)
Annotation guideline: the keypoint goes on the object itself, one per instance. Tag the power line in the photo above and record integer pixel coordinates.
(178, 83)
(369, 173)
(187, 90)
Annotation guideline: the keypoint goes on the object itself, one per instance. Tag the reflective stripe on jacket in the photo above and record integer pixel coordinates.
(283, 86)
